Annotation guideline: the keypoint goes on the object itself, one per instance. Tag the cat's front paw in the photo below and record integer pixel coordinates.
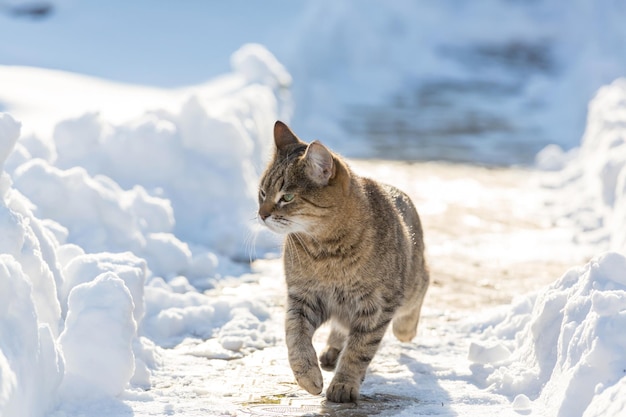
(310, 379)
(341, 392)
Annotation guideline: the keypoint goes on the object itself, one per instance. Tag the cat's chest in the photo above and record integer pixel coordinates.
(326, 266)
(343, 291)
(329, 273)
(350, 304)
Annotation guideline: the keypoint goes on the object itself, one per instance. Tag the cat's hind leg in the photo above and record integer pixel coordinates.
(407, 317)
(361, 346)
(334, 346)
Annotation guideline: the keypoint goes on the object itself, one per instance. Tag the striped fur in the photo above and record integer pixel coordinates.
(353, 255)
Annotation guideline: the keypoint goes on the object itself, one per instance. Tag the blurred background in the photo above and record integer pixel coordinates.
(489, 82)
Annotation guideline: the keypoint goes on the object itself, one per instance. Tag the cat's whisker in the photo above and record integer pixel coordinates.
(303, 244)
(250, 244)
(309, 235)
(251, 238)
(298, 252)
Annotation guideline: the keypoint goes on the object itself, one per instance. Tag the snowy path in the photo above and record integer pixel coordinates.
(489, 238)
(428, 377)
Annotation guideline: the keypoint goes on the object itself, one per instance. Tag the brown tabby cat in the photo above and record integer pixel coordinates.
(354, 254)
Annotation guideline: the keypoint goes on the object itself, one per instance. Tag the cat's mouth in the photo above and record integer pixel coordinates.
(283, 225)
(276, 225)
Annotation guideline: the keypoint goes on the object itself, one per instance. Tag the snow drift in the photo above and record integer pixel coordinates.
(31, 366)
(123, 181)
(103, 225)
(563, 347)
(591, 181)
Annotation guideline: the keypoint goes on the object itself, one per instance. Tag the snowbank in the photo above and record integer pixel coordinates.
(592, 182)
(31, 365)
(161, 182)
(434, 79)
(562, 348)
(105, 226)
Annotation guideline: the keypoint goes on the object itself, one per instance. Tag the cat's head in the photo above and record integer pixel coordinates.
(303, 186)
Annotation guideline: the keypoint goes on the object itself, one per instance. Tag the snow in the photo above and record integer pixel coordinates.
(31, 367)
(122, 182)
(562, 347)
(99, 360)
(127, 212)
(521, 403)
(516, 73)
(91, 218)
(593, 180)
(520, 75)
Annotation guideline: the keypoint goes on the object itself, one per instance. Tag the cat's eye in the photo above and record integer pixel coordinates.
(262, 194)
(288, 197)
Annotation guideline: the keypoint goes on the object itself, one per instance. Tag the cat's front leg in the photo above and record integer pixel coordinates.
(360, 348)
(303, 318)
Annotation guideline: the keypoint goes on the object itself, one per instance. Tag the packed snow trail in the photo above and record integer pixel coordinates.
(489, 238)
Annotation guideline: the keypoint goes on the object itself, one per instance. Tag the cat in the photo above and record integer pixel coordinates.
(353, 254)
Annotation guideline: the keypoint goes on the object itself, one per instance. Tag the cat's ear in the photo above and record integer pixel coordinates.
(320, 167)
(283, 136)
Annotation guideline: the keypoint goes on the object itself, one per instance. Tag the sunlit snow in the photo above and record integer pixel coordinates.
(128, 211)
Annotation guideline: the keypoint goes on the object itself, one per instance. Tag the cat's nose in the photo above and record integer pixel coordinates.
(263, 214)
